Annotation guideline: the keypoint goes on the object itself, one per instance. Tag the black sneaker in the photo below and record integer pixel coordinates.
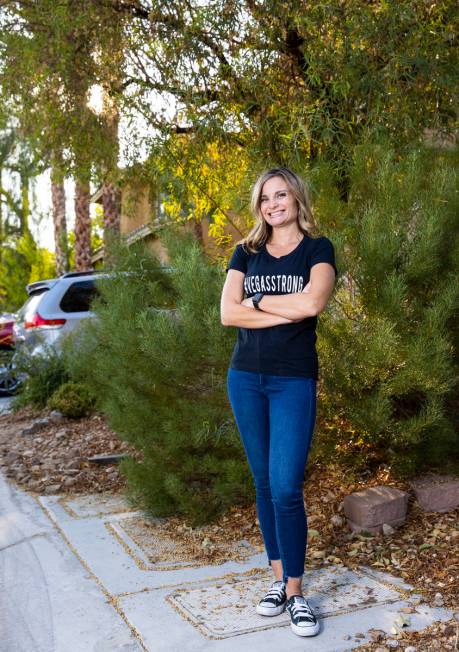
(303, 621)
(274, 601)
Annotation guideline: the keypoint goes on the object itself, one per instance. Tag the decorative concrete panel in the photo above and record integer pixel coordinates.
(227, 608)
(152, 549)
(87, 506)
(202, 608)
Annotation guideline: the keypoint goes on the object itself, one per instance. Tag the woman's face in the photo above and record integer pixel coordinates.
(277, 204)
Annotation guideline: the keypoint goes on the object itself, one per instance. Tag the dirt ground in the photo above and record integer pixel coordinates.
(424, 551)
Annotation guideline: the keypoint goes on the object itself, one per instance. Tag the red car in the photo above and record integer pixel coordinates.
(6, 330)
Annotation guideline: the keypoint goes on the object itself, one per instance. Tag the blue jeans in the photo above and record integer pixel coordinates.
(275, 416)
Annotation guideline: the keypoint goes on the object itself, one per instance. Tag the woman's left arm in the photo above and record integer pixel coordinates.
(300, 305)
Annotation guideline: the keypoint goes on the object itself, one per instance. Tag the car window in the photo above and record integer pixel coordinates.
(31, 304)
(78, 297)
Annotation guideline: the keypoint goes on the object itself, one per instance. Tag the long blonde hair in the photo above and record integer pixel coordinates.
(261, 232)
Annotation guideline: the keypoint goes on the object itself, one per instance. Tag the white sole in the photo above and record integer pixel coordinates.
(305, 631)
(270, 611)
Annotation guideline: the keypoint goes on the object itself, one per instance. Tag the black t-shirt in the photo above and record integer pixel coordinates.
(287, 349)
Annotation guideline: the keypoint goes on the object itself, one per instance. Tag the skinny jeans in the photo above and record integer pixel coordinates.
(275, 416)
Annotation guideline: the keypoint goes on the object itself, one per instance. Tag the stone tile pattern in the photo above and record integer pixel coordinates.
(161, 552)
(436, 493)
(227, 608)
(370, 508)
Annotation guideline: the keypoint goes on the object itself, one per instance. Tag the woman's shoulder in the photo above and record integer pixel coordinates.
(322, 250)
(317, 240)
(239, 258)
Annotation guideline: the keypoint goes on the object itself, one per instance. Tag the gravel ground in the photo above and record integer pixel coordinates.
(424, 551)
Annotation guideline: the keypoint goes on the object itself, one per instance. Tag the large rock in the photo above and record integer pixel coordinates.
(36, 426)
(437, 493)
(110, 458)
(370, 508)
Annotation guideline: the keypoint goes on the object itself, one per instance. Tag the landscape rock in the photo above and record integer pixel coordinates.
(377, 635)
(55, 415)
(36, 426)
(336, 520)
(436, 493)
(387, 529)
(438, 600)
(107, 459)
(52, 488)
(370, 508)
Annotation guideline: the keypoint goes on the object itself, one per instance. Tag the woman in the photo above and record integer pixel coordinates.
(287, 278)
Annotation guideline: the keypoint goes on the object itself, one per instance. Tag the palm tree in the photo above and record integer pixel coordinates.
(82, 227)
(59, 218)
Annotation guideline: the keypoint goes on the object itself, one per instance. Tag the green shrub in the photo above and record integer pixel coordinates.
(389, 340)
(73, 399)
(160, 377)
(45, 374)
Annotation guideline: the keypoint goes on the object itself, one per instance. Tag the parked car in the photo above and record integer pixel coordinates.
(54, 308)
(7, 321)
(8, 377)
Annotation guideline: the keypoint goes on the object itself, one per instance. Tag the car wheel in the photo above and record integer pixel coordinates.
(9, 384)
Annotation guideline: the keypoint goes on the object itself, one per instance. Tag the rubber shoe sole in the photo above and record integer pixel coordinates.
(270, 611)
(305, 630)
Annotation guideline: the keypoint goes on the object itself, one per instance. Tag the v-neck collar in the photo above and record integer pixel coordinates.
(285, 255)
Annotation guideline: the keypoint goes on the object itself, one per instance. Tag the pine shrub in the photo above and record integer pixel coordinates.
(72, 399)
(389, 340)
(44, 374)
(157, 358)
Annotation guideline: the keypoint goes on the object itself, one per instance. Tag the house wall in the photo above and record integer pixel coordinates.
(136, 208)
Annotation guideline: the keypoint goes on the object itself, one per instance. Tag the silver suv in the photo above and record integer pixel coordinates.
(54, 308)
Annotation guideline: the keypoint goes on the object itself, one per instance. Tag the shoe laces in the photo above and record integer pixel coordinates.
(300, 607)
(276, 591)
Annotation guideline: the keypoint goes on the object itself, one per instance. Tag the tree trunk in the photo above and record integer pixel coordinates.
(59, 221)
(111, 200)
(25, 202)
(82, 227)
(197, 230)
(1, 217)
(111, 195)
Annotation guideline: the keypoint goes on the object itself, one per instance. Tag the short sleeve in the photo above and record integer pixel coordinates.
(323, 252)
(238, 260)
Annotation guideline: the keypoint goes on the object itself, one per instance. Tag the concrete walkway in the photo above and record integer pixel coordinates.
(48, 600)
(77, 574)
(5, 402)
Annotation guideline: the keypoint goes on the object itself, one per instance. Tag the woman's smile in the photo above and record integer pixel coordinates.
(277, 203)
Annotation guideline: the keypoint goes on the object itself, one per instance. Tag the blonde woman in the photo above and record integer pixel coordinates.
(287, 277)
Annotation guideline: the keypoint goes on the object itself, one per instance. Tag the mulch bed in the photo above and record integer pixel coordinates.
(424, 551)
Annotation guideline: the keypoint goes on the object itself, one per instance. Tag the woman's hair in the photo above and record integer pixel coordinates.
(261, 232)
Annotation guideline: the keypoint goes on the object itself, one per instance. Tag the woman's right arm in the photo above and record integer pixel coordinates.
(234, 314)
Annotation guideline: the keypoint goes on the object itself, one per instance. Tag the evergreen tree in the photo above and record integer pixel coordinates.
(390, 339)
(157, 357)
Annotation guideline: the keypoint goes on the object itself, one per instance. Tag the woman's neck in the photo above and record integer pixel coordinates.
(284, 236)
